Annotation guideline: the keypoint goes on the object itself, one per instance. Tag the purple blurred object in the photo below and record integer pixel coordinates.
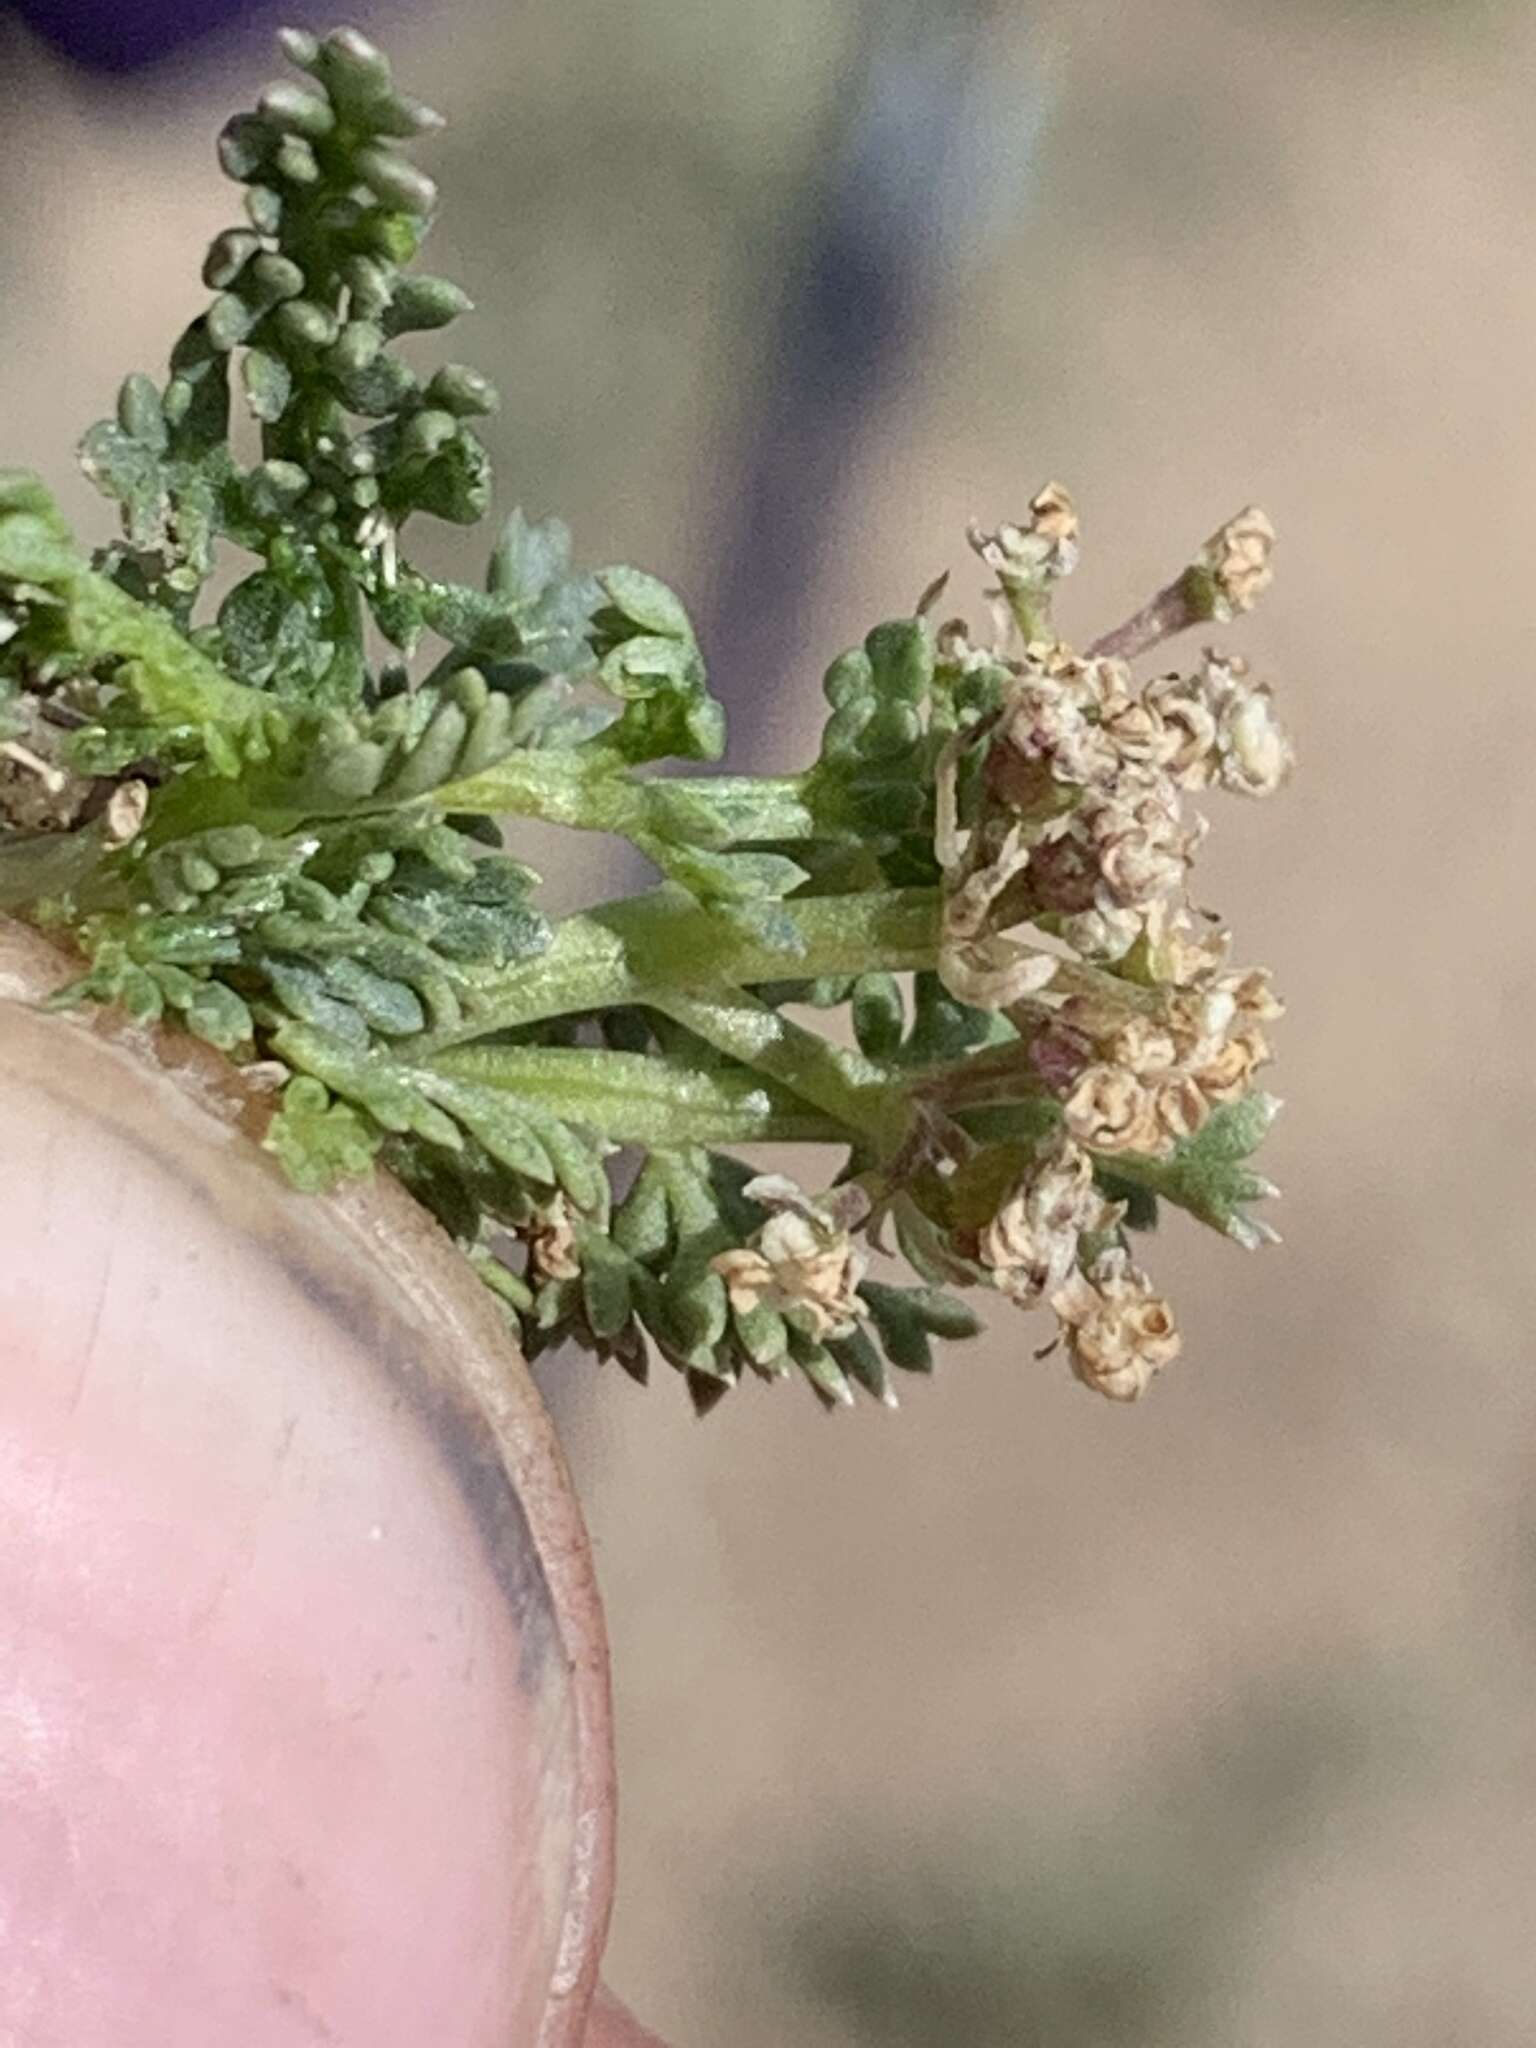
(126, 35)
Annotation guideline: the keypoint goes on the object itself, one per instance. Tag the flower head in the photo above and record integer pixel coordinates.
(1119, 1333)
(1237, 560)
(1111, 1110)
(1253, 755)
(1030, 1246)
(803, 1258)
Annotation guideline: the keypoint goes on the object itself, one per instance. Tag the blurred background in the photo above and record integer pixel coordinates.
(1014, 1718)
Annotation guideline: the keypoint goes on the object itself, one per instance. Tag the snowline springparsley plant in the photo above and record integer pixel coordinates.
(284, 824)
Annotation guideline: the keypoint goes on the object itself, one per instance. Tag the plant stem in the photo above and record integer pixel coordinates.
(993, 1075)
(1181, 604)
(641, 1099)
(594, 789)
(640, 948)
(843, 1084)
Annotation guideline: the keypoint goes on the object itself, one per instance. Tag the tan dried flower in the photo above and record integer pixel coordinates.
(980, 881)
(993, 972)
(1182, 1107)
(1199, 1019)
(1030, 1245)
(552, 1243)
(1225, 1076)
(1145, 1047)
(1189, 728)
(1053, 515)
(1253, 998)
(1044, 721)
(1144, 848)
(1026, 556)
(1180, 951)
(1038, 719)
(804, 1257)
(1087, 758)
(1110, 1110)
(1104, 683)
(1237, 557)
(1140, 734)
(1119, 1333)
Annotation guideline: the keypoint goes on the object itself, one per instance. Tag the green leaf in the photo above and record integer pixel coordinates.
(635, 1098)
(490, 1117)
(317, 1141)
(217, 1014)
(859, 1357)
(642, 605)
(879, 1015)
(898, 1316)
(36, 545)
(1207, 1174)
(372, 1081)
(605, 1284)
(135, 473)
(267, 632)
(421, 303)
(821, 1368)
(268, 384)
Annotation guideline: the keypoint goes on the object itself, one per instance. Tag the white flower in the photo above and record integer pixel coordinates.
(1119, 1333)
(1143, 847)
(1178, 951)
(803, 1258)
(1107, 932)
(1030, 1245)
(1255, 754)
(1189, 727)
(1026, 555)
(1237, 559)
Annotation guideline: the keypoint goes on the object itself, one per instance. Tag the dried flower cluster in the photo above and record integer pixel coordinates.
(804, 1262)
(1066, 907)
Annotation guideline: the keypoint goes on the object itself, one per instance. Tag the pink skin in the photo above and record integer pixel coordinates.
(303, 1704)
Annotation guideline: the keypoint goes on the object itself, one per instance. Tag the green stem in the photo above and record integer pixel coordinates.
(843, 1084)
(591, 791)
(752, 808)
(1030, 604)
(1117, 991)
(594, 789)
(641, 1099)
(640, 948)
(995, 1074)
(347, 677)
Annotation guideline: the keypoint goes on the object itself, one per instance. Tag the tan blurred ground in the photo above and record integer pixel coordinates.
(1208, 1722)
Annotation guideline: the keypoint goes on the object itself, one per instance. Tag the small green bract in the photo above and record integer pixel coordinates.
(957, 952)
